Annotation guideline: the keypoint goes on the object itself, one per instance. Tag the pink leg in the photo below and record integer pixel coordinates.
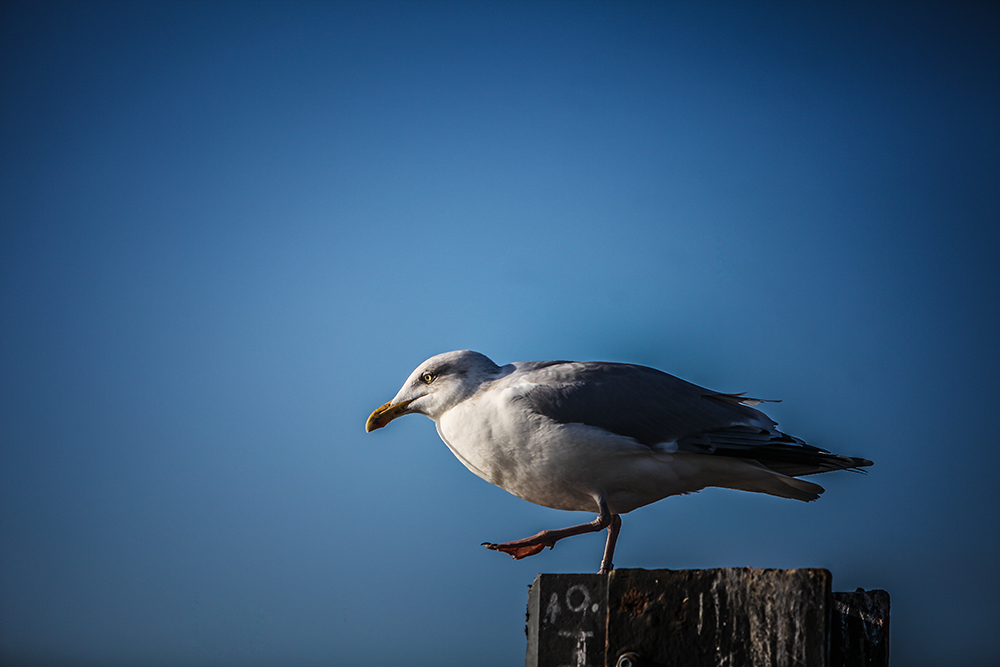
(609, 546)
(529, 546)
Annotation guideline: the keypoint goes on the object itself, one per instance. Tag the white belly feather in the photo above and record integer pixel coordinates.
(563, 466)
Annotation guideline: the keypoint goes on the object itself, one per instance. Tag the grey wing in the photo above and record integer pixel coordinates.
(654, 408)
(647, 405)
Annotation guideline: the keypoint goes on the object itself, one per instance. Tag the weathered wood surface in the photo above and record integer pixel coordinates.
(859, 630)
(567, 620)
(701, 618)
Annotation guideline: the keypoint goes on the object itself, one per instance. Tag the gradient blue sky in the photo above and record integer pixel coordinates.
(230, 231)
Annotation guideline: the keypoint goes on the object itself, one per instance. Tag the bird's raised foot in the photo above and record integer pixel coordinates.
(518, 551)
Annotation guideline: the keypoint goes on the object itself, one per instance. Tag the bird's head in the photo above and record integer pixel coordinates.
(436, 386)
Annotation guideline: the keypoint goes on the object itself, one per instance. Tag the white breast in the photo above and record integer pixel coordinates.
(563, 466)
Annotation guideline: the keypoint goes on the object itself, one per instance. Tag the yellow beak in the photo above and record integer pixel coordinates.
(386, 413)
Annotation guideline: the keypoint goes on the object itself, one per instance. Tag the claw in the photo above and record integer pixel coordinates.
(519, 551)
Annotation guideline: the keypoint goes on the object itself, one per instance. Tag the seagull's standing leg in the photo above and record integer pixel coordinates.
(609, 547)
(529, 546)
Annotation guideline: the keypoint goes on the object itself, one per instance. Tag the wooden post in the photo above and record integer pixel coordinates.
(704, 618)
(567, 620)
(859, 633)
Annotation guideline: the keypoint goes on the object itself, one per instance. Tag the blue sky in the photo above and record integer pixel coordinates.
(231, 230)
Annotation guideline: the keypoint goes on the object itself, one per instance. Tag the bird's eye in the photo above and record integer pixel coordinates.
(427, 378)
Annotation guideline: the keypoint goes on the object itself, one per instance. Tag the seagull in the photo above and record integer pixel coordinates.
(601, 437)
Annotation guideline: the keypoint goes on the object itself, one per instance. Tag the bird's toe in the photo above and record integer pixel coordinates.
(517, 551)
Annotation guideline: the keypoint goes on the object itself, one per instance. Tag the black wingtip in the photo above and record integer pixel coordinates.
(859, 465)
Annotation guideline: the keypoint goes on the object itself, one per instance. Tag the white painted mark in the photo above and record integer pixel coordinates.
(582, 605)
(580, 648)
(552, 611)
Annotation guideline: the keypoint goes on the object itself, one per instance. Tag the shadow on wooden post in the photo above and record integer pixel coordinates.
(704, 618)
